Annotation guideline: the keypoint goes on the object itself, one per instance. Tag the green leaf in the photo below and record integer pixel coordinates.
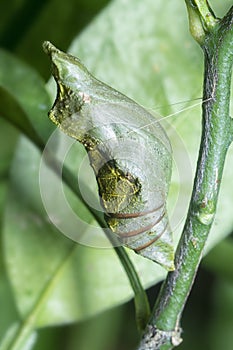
(8, 314)
(12, 339)
(71, 17)
(54, 279)
(8, 136)
(25, 101)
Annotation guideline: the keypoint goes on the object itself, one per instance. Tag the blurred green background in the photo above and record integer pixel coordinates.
(25, 25)
(208, 317)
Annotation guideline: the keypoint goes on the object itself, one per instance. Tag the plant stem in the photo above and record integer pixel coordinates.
(207, 15)
(163, 330)
(201, 19)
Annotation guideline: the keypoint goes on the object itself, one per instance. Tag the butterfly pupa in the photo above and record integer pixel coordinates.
(128, 150)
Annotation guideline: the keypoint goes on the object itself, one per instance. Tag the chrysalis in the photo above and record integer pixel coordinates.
(128, 151)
